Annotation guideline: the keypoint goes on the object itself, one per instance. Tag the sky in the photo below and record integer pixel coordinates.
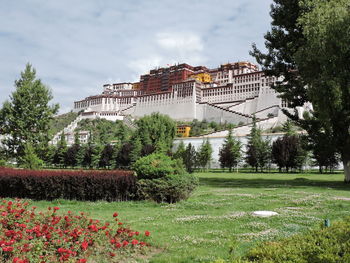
(76, 46)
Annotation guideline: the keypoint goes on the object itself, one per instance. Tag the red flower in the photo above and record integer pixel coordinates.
(134, 242)
(93, 228)
(147, 233)
(125, 243)
(118, 245)
(61, 250)
(84, 245)
(7, 249)
(82, 260)
(112, 254)
(115, 214)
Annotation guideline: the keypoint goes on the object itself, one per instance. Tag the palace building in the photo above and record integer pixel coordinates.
(232, 93)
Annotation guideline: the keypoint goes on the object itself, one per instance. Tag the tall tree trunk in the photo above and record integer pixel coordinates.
(346, 163)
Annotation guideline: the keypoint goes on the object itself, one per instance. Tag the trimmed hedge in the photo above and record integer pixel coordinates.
(78, 185)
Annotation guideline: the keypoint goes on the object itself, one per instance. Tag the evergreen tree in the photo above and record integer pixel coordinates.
(95, 150)
(30, 160)
(61, 151)
(72, 152)
(123, 158)
(204, 154)
(180, 151)
(26, 117)
(49, 155)
(190, 158)
(230, 153)
(84, 156)
(80, 155)
(258, 150)
(106, 156)
(136, 151)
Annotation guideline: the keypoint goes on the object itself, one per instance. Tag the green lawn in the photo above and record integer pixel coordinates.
(204, 227)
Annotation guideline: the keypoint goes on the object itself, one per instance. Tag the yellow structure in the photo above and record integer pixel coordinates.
(202, 77)
(136, 85)
(183, 130)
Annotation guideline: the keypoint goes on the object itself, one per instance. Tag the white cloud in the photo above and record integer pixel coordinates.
(180, 41)
(77, 49)
(143, 65)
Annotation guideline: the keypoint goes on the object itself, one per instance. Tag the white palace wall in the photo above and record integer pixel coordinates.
(169, 104)
(212, 113)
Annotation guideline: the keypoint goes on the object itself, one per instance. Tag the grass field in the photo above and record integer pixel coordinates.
(218, 214)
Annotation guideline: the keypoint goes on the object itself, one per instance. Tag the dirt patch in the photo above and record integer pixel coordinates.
(342, 198)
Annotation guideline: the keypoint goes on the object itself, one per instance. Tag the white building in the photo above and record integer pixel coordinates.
(236, 93)
(233, 93)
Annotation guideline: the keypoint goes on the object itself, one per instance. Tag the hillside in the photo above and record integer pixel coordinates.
(61, 121)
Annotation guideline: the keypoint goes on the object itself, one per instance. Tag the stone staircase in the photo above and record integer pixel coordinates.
(68, 129)
(127, 120)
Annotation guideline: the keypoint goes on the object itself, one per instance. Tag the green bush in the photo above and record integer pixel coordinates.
(162, 179)
(170, 189)
(323, 245)
(157, 165)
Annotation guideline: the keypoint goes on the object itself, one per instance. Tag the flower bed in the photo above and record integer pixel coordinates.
(80, 185)
(27, 236)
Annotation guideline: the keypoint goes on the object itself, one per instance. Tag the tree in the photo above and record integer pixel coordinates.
(25, 118)
(204, 154)
(324, 63)
(180, 151)
(136, 151)
(73, 152)
(309, 46)
(190, 158)
(230, 153)
(258, 150)
(157, 130)
(282, 44)
(105, 131)
(123, 158)
(30, 160)
(106, 157)
(61, 151)
(323, 151)
(288, 153)
(84, 155)
(95, 150)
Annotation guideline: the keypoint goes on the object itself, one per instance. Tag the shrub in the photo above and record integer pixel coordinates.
(162, 179)
(27, 236)
(157, 165)
(80, 185)
(326, 245)
(170, 189)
